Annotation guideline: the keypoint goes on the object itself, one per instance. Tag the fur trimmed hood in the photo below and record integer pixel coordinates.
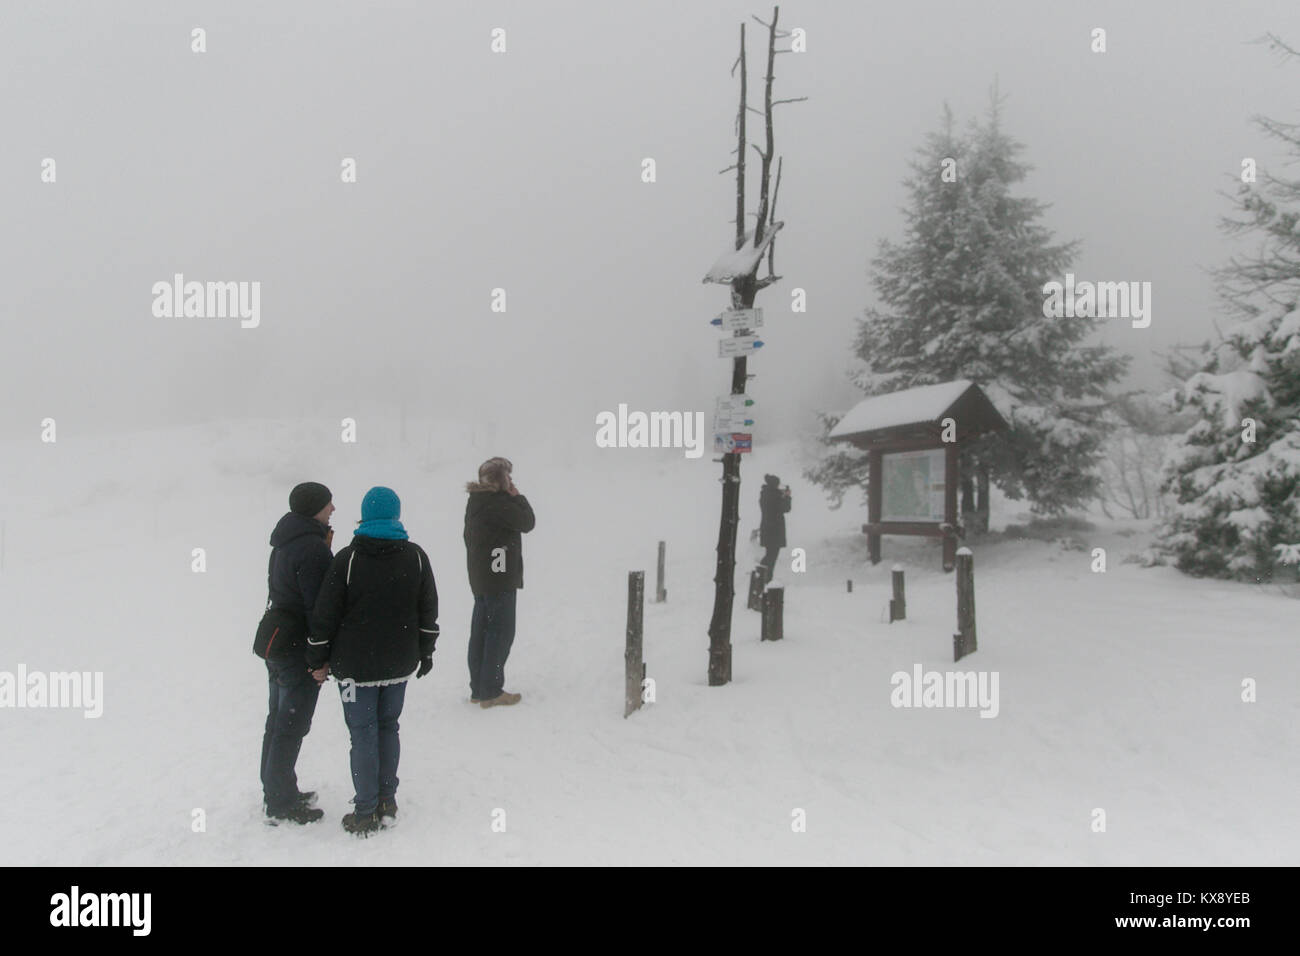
(474, 487)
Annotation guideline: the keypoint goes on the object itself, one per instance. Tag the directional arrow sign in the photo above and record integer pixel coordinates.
(733, 405)
(738, 346)
(729, 443)
(738, 320)
(731, 423)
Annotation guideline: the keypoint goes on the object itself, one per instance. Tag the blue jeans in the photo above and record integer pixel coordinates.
(293, 693)
(491, 634)
(372, 723)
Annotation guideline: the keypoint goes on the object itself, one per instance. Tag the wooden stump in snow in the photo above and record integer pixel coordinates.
(898, 604)
(773, 613)
(661, 595)
(634, 669)
(963, 642)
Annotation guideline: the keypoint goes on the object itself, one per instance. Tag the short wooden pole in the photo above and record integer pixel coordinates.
(773, 612)
(634, 669)
(898, 605)
(963, 642)
(661, 595)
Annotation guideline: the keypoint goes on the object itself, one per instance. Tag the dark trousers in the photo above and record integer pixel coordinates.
(769, 559)
(293, 693)
(371, 717)
(491, 634)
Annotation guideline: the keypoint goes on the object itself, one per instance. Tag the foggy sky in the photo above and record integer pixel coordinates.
(522, 170)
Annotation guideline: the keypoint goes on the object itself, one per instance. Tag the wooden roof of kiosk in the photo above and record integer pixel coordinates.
(912, 420)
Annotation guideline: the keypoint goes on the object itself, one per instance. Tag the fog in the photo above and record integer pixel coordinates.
(522, 171)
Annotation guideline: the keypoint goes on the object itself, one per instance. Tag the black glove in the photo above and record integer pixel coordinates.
(426, 665)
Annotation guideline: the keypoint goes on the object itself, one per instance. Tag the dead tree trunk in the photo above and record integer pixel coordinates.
(743, 290)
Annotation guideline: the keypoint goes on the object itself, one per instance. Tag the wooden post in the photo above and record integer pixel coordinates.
(950, 478)
(898, 605)
(773, 611)
(660, 594)
(850, 586)
(634, 669)
(963, 642)
(875, 487)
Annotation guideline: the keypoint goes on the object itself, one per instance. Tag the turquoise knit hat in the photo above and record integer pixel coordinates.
(381, 503)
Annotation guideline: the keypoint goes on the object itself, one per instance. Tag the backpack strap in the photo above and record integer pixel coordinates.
(269, 565)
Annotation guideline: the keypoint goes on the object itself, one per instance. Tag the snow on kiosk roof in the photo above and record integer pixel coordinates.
(918, 412)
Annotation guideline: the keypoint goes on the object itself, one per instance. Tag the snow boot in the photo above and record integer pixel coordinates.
(362, 824)
(504, 699)
(295, 813)
(307, 798)
(387, 810)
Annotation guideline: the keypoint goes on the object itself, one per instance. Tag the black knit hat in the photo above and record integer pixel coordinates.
(309, 498)
(772, 480)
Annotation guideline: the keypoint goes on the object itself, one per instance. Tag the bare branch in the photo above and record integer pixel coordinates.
(727, 170)
(740, 144)
(795, 99)
(1277, 45)
(754, 110)
(754, 147)
(776, 189)
(765, 23)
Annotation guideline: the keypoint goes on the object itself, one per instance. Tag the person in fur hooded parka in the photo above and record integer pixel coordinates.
(496, 514)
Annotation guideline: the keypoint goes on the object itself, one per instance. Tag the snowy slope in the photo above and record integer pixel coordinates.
(1118, 691)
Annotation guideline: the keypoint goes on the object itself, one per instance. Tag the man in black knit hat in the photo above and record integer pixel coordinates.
(300, 556)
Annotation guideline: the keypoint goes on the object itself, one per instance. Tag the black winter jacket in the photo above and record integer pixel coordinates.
(495, 519)
(377, 613)
(773, 503)
(298, 563)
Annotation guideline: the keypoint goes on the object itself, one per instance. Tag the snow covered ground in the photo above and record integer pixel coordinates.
(1120, 691)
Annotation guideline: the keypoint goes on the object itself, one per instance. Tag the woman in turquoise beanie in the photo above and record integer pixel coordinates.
(374, 626)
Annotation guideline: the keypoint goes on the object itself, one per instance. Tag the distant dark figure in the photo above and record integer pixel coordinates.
(300, 556)
(496, 514)
(774, 503)
(375, 627)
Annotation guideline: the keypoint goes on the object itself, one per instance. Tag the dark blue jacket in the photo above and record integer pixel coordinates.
(299, 560)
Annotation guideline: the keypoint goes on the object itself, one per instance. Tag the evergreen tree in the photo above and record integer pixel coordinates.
(962, 297)
(1237, 494)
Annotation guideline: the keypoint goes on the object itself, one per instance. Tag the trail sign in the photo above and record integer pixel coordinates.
(739, 346)
(733, 405)
(738, 443)
(731, 423)
(738, 320)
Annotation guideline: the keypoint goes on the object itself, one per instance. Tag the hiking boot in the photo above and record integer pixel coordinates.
(295, 813)
(504, 699)
(362, 824)
(306, 798)
(387, 809)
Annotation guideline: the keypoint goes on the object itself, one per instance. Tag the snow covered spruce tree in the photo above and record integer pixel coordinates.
(1235, 473)
(962, 297)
